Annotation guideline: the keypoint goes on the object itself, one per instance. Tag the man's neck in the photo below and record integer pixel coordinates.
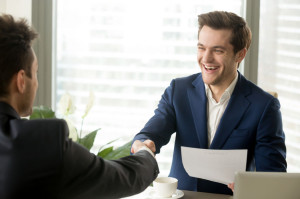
(5, 100)
(10, 100)
(218, 90)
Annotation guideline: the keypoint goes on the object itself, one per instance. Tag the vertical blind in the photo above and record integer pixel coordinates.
(126, 53)
(279, 66)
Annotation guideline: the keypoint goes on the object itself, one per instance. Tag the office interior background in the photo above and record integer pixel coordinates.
(127, 53)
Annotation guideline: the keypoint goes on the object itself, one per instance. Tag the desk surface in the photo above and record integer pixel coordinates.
(187, 195)
(202, 195)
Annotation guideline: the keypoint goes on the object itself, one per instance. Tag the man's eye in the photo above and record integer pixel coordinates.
(219, 51)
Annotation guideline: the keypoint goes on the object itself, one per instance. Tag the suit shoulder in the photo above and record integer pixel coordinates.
(38, 136)
(46, 123)
(257, 94)
(43, 126)
(256, 90)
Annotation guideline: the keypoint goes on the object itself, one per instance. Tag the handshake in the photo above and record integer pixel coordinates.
(147, 145)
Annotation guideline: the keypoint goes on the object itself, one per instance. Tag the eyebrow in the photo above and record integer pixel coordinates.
(221, 47)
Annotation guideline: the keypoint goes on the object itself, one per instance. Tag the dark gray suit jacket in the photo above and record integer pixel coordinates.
(38, 160)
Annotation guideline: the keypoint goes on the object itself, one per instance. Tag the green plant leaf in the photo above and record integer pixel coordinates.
(42, 112)
(102, 147)
(88, 140)
(120, 152)
(105, 151)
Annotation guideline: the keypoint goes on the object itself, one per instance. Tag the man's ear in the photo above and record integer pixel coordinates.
(241, 55)
(21, 81)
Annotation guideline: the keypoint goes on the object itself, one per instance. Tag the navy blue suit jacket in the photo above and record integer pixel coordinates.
(252, 120)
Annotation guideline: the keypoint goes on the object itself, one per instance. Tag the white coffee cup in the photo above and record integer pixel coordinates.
(165, 186)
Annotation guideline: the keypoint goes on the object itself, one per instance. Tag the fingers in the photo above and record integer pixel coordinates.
(150, 144)
(138, 144)
(231, 186)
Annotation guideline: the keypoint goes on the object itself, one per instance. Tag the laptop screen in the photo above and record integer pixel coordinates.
(266, 185)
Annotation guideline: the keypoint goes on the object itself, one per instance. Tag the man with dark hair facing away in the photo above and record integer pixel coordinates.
(38, 160)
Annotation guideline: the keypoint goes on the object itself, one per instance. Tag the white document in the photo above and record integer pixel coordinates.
(214, 165)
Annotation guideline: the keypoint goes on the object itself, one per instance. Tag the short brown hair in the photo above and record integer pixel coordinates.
(241, 33)
(15, 49)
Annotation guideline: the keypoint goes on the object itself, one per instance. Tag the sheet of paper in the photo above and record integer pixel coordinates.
(214, 165)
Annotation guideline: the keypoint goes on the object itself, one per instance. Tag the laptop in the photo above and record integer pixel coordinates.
(266, 185)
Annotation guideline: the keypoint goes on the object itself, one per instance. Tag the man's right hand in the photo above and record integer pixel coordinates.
(136, 145)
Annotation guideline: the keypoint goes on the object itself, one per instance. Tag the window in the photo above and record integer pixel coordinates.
(127, 53)
(279, 70)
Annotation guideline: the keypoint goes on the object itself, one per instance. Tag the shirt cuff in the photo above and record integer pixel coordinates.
(147, 149)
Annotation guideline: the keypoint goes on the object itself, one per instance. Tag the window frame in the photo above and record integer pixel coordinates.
(44, 21)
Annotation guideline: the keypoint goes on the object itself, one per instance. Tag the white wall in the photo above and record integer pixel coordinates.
(17, 8)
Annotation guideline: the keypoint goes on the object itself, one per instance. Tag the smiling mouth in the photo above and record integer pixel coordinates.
(209, 67)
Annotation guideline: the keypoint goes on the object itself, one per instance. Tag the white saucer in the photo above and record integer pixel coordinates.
(177, 194)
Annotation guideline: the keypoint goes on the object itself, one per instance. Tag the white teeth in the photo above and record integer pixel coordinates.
(210, 67)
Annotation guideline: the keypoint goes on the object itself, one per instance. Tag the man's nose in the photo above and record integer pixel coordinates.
(207, 56)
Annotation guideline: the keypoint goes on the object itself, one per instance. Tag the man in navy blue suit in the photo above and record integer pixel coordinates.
(218, 108)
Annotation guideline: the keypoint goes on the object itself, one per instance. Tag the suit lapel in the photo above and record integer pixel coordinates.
(197, 99)
(236, 107)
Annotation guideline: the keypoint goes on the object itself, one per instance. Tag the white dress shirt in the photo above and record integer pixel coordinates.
(215, 110)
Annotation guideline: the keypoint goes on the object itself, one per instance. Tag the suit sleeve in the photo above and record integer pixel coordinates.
(270, 149)
(88, 176)
(163, 124)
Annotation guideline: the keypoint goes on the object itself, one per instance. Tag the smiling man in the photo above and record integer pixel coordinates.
(218, 108)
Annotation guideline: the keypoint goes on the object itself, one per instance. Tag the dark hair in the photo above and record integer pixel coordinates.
(15, 49)
(241, 33)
